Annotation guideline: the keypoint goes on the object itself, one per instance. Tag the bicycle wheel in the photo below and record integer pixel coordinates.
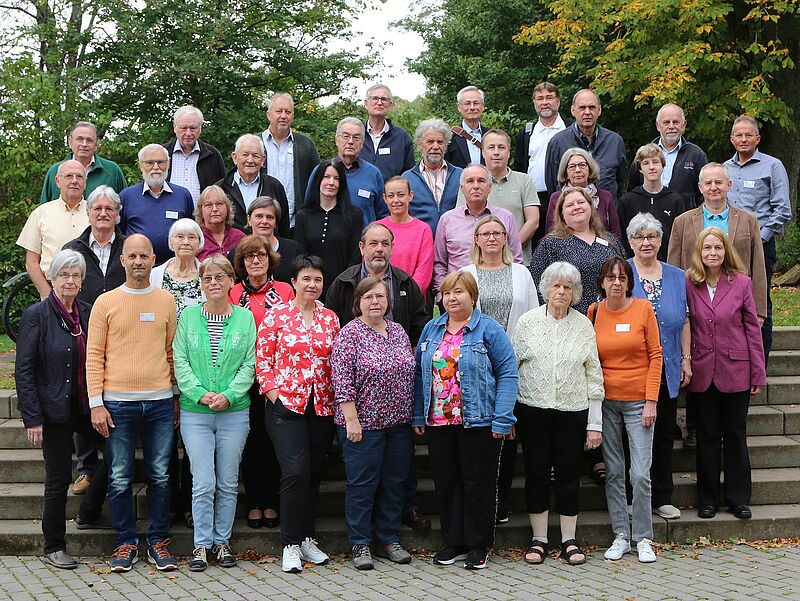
(22, 294)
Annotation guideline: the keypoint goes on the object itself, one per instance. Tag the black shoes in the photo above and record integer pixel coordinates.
(707, 512)
(742, 512)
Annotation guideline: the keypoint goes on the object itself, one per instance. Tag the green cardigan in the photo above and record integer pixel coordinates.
(104, 173)
(196, 373)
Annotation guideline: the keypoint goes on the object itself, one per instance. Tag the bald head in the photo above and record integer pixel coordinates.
(670, 123)
(586, 110)
(71, 181)
(138, 260)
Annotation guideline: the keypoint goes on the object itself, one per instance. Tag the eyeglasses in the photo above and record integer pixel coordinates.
(549, 97)
(576, 166)
(250, 257)
(75, 277)
(159, 162)
(651, 238)
(383, 99)
(351, 137)
(376, 296)
(217, 277)
(621, 278)
(487, 235)
(82, 140)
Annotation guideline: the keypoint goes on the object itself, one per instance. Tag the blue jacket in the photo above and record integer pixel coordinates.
(671, 315)
(395, 152)
(487, 368)
(423, 206)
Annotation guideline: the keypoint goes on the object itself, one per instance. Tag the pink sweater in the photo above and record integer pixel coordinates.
(412, 250)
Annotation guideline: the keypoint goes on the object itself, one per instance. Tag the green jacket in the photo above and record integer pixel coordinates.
(234, 373)
(104, 172)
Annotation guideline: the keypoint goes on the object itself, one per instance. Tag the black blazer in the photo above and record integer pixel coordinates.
(267, 186)
(96, 282)
(44, 364)
(457, 153)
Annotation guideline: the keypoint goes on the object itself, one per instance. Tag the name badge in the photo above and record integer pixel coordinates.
(623, 327)
(384, 151)
(363, 193)
(147, 316)
(191, 301)
(171, 214)
(402, 293)
(601, 241)
(748, 183)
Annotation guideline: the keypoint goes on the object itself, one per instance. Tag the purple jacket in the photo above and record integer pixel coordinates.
(726, 338)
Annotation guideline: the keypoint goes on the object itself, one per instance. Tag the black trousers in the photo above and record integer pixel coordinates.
(551, 438)
(465, 462)
(261, 473)
(180, 479)
(663, 440)
(300, 442)
(722, 438)
(770, 256)
(505, 477)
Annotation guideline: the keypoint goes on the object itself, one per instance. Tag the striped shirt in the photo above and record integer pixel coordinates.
(184, 170)
(215, 323)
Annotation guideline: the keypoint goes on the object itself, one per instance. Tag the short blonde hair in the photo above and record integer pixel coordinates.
(476, 254)
(649, 151)
(198, 210)
(465, 279)
(731, 264)
(218, 261)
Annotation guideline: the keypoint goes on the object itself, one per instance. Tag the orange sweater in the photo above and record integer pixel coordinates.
(129, 347)
(630, 351)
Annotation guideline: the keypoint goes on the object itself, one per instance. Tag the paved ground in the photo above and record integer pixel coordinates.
(686, 573)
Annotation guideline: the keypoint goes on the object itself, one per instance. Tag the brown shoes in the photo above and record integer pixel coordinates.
(81, 484)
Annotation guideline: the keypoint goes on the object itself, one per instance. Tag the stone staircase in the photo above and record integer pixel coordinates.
(774, 441)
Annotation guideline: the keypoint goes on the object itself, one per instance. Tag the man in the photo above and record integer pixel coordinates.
(84, 142)
(408, 309)
(54, 223)
(291, 156)
(464, 147)
(433, 181)
(364, 180)
(133, 399)
(386, 146)
(195, 165)
(605, 146)
(683, 159)
(248, 180)
(455, 233)
(152, 206)
(511, 190)
(760, 186)
(532, 144)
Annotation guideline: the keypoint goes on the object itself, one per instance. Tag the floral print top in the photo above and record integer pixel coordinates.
(185, 294)
(294, 358)
(446, 406)
(652, 288)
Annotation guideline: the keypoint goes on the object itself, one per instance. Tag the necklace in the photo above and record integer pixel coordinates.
(66, 328)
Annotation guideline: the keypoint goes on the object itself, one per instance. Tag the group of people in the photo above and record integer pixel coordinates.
(265, 312)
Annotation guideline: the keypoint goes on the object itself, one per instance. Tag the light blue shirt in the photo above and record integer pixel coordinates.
(712, 220)
(670, 156)
(280, 165)
(249, 191)
(474, 151)
(184, 170)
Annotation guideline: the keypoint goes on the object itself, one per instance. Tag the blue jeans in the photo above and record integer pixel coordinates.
(214, 442)
(379, 463)
(153, 422)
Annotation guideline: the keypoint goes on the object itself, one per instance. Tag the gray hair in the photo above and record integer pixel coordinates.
(83, 124)
(745, 119)
(151, 147)
(377, 86)
(594, 168)
(265, 202)
(185, 111)
(373, 225)
(644, 221)
(349, 121)
(185, 226)
(713, 165)
(668, 105)
(485, 170)
(279, 95)
(466, 89)
(65, 259)
(437, 125)
(244, 138)
(104, 192)
(561, 271)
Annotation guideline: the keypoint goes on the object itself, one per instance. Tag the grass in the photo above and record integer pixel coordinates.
(786, 306)
(6, 344)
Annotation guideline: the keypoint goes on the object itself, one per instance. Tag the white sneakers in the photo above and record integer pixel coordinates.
(645, 550)
(618, 548)
(309, 551)
(291, 559)
(668, 512)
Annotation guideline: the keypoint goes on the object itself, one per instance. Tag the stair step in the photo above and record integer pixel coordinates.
(785, 338)
(781, 390)
(784, 363)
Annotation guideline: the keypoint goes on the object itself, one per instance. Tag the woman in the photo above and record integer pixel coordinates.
(559, 406)
(293, 372)
(506, 292)
(328, 226)
(651, 197)
(214, 215)
(255, 264)
(466, 424)
(578, 169)
(214, 352)
(727, 367)
(630, 354)
(180, 275)
(665, 287)
(372, 366)
(50, 378)
(413, 241)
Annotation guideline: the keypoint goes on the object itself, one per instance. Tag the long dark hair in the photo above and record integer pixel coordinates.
(342, 197)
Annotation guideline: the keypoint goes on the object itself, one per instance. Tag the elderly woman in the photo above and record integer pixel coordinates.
(727, 367)
(214, 215)
(465, 386)
(50, 376)
(665, 287)
(215, 353)
(578, 169)
(180, 275)
(630, 353)
(292, 368)
(506, 292)
(559, 406)
(372, 365)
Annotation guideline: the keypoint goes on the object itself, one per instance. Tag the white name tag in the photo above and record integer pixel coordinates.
(171, 214)
(601, 241)
(190, 301)
(147, 316)
(363, 193)
(623, 327)
(749, 183)
(384, 151)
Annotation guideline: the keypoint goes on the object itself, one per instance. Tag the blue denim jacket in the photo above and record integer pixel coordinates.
(487, 368)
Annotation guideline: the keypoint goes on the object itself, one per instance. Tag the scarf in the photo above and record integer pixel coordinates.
(71, 321)
(271, 296)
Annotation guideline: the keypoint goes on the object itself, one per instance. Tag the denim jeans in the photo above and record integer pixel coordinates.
(619, 415)
(153, 422)
(376, 469)
(214, 442)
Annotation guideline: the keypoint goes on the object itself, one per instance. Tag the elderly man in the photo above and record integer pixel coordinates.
(386, 146)
(249, 179)
(465, 146)
(683, 159)
(54, 223)
(605, 146)
(433, 181)
(511, 190)
(364, 180)
(195, 164)
(152, 206)
(83, 142)
(759, 185)
(455, 233)
(291, 156)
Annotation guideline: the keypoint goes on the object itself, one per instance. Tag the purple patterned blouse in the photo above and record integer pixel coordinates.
(375, 372)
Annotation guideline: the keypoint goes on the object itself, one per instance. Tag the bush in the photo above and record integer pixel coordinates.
(788, 248)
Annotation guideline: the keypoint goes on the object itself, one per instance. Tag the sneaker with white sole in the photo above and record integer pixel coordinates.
(309, 551)
(292, 563)
(645, 549)
(618, 548)
(668, 512)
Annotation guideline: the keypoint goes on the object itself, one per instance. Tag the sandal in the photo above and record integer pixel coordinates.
(599, 474)
(538, 550)
(567, 555)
